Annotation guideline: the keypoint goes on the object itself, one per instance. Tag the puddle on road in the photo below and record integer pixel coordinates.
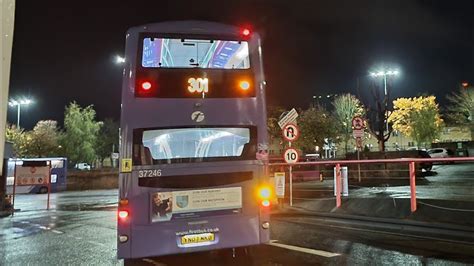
(86, 207)
(19, 230)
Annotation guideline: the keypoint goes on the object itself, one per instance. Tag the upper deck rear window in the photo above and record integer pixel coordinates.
(194, 53)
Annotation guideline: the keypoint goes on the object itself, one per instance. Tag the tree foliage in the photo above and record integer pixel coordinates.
(80, 136)
(346, 106)
(273, 116)
(461, 110)
(44, 139)
(108, 138)
(418, 118)
(315, 125)
(20, 140)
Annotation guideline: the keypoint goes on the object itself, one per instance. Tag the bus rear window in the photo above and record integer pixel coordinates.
(194, 53)
(194, 144)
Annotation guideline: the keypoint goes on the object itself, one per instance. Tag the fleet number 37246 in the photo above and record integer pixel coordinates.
(149, 173)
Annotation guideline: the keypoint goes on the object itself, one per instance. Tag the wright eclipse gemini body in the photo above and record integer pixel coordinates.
(193, 140)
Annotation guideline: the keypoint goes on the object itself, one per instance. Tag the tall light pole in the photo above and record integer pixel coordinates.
(18, 104)
(384, 74)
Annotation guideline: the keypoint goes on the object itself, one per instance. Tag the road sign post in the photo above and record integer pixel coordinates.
(290, 133)
(291, 156)
(358, 126)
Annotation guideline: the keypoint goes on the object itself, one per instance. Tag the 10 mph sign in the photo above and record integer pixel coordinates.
(291, 156)
(290, 132)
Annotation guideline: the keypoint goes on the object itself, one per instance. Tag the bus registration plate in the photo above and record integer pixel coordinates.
(197, 238)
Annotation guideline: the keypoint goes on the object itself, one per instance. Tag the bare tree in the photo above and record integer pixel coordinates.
(377, 115)
(461, 110)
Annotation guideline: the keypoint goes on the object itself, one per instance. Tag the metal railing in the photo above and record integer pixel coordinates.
(337, 164)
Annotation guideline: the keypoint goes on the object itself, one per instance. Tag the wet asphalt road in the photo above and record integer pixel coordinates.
(80, 229)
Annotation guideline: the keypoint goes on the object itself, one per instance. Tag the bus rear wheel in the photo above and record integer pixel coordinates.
(43, 190)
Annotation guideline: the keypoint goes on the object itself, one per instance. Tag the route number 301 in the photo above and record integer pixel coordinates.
(198, 85)
(149, 173)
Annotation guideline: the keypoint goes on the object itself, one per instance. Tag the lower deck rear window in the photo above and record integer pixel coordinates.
(154, 146)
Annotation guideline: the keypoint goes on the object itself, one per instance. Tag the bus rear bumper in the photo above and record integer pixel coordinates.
(173, 238)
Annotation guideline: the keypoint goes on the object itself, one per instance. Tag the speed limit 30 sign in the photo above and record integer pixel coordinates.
(291, 156)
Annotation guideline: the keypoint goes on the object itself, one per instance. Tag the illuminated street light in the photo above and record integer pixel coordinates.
(119, 59)
(18, 104)
(384, 74)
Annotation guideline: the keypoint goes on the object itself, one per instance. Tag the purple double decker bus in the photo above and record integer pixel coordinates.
(193, 140)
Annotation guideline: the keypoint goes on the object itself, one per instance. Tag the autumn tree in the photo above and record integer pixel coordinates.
(20, 140)
(315, 125)
(417, 118)
(461, 109)
(346, 106)
(80, 136)
(44, 139)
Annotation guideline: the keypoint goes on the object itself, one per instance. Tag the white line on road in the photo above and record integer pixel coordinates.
(304, 250)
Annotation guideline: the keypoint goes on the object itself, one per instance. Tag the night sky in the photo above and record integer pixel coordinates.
(65, 51)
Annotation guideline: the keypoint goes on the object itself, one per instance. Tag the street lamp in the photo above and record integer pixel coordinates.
(18, 104)
(384, 74)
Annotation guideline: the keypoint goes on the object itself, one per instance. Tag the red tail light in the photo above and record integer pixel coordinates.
(246, 32)
(123, 215)
(146, 85)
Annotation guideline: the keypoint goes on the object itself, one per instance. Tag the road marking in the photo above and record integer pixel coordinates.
(381, 232)
(153, 262)
(57, 231)
(304, 250)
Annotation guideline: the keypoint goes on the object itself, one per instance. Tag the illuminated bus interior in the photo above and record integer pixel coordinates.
(193, 53)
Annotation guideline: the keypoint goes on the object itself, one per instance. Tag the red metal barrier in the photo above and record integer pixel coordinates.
(412, 171)
(402, 160)
(412, 186)
(338, 185)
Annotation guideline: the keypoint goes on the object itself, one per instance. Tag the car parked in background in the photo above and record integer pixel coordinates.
(440, 153)
(83, 166)
(427, 166)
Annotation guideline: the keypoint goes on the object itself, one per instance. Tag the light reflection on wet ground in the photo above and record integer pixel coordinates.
(80, 229)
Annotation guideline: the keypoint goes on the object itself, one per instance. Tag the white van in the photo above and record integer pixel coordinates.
(82, 166)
